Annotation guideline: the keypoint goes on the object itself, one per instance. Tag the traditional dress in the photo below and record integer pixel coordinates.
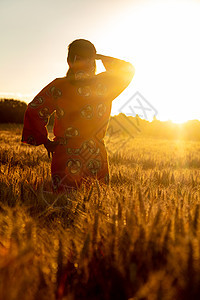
(82, 104)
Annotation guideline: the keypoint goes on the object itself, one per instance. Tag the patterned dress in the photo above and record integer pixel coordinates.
(82, 104)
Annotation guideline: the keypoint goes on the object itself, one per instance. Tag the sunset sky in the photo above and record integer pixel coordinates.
(160, 38)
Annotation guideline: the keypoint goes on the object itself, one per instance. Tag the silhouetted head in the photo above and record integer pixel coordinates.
(81, 55)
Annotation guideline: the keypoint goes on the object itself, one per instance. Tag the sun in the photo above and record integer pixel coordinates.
(160, 39)
(179, 120)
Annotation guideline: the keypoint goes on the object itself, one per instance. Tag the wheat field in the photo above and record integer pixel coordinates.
(138, 238)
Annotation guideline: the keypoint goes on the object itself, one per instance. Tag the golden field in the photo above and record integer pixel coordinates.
(139, 238)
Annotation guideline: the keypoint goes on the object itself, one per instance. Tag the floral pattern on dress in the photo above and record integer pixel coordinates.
(87, 112)
(74, 166)
(84, 91)
(101, 89)
(31, 140)
(44, 113)
(59, 113)
(56, 181)
(90, 145)
(71, 132)
(55, 92)
(101, 109)
(37, 101)
(81, 75)
(73, 151)
(94, 166)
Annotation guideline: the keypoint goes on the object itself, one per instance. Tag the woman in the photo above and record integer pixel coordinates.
(82, 101)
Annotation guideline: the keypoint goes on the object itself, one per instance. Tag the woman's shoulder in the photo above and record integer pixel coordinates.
(59, 82)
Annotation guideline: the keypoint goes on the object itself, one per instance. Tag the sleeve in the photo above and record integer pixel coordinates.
(117, 76)
(37, 115)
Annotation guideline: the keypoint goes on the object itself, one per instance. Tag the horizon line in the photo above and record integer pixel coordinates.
(12, 96)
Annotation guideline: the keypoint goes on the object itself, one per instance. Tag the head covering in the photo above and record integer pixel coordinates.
(77, 50)
(81, 48)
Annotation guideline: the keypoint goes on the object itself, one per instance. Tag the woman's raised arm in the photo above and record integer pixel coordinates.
(118, 75)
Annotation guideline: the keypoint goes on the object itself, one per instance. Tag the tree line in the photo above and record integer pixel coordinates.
(12, 111)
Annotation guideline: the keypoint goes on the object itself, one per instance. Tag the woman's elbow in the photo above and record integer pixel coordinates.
(131, 70)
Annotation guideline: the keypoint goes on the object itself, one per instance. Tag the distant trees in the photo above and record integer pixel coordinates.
(12, 111)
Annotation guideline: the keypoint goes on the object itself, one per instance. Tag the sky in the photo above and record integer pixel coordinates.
(159, 37)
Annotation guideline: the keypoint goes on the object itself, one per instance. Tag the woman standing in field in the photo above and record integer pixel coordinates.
(82, 101)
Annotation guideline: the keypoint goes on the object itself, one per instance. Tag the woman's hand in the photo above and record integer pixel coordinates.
(99, 56)
(51, 146)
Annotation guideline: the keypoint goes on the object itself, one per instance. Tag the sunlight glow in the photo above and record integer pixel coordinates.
(159, 37)
(164, 48)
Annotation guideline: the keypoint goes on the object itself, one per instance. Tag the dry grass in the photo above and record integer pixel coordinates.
(137, 239)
